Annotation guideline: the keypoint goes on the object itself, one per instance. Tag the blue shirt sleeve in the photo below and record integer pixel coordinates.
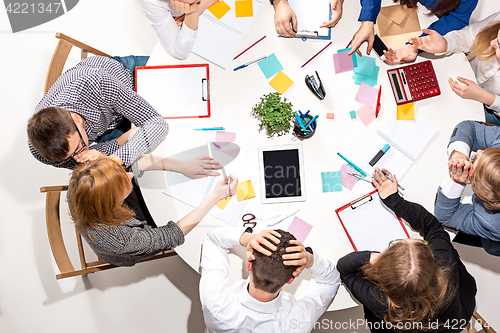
(455, 20)
(369, 10)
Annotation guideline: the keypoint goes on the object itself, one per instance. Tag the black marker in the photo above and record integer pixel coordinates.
(379, 154)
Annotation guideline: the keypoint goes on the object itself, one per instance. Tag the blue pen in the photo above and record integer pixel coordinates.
(352, 165)
(209, 129)
(301, 115)
(390, 178)
(249, 63)
(305, 114)
(310, 122)
(304, 129)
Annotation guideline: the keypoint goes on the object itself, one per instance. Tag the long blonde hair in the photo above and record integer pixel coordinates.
(415, 286)
(481, 47)
(96, 192)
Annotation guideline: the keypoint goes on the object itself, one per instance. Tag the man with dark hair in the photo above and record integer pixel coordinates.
(88, 112)
(258, 304)
(87, 103)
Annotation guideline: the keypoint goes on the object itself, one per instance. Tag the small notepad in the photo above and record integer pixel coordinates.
(219, 9)
(281, 82)
(243, 8)
(406, 111)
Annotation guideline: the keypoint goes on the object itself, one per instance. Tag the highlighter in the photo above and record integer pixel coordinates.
(379, 154)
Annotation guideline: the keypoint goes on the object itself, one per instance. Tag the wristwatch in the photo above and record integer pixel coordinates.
(308, 249)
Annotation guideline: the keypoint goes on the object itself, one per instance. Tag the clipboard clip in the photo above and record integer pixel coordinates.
(205, 96)
(304, 34)
(361, 201)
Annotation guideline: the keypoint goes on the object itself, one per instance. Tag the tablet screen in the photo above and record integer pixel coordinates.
(282, 173)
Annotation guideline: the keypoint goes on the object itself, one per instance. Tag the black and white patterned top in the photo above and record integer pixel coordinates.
(101, 90)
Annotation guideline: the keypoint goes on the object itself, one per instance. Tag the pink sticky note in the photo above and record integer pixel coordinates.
(366, 114)
(342, 62)
(222, 136)
(300, 229)
(330, 116)
(366, 95)
(348, 181)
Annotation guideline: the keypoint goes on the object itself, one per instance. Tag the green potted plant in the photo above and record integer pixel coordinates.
(274, 114)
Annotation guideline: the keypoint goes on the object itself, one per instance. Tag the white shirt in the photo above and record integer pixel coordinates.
(228, 307)
(160, 15)
(486, 71)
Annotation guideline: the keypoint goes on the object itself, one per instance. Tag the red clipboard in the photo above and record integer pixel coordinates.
(369, 224)
(175, 91)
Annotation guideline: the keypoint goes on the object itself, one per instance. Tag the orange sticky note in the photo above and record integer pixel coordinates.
(281, 82)
(245, 191)
(243, 8)
(219, 9)
(223, 202)
(406, 111)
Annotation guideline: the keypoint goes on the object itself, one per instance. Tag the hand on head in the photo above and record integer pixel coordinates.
(221, 189)
(384, 186)
(296, 254)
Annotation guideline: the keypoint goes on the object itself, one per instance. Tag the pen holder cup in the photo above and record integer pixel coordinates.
(299, 133)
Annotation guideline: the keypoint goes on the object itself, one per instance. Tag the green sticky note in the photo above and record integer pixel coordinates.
(332, 181)
(352, 114)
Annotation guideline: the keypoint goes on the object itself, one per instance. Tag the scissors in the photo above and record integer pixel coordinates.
(249, 220)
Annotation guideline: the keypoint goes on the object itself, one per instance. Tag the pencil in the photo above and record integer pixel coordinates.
(314, 56)
(249, 47)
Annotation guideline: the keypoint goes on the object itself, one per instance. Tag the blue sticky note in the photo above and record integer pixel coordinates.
(332, 181)
(270, 66)
(352, 114)
(354, 56)
(366, 65)
(370, 80)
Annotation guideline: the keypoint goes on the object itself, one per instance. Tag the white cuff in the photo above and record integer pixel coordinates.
(495, 107)
(450, 189)
(187, 33)
(459, 146)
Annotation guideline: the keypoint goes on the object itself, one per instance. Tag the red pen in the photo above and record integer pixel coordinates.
(377, 108)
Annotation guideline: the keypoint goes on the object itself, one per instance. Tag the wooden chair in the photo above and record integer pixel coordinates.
(486, 327)
(52, 216)
(60, 56)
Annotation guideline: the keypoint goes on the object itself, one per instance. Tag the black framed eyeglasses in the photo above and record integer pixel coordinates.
(84, 145)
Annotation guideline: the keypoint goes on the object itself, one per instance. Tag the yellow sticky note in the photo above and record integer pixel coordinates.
(406, 111)
(223, 202)
(219, 9)
(243, 8)
(245, 191)
(281, 82)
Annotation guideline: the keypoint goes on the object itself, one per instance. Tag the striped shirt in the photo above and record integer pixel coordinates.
(101, 90)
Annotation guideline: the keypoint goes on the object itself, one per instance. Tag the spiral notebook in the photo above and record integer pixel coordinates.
(407, 139)
(218, 40)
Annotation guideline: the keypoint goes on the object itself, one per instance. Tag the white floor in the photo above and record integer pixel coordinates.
(154, 297)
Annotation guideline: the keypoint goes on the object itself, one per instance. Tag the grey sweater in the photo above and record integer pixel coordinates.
(127, 244)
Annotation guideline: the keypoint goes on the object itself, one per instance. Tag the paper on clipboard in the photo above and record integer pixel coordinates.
(369, 224)
(309, 18)
(175, 91)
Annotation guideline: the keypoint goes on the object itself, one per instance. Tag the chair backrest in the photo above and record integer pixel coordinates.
(486, 328)
(60, 56)
(57, 245)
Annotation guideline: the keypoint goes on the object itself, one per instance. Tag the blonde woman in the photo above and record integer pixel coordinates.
(481, 41)
(481, 217)
(414, 285)
(176, 22)
(119, 236)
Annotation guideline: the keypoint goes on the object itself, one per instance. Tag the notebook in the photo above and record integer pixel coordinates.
(175, 91)
(218, 40)
(310, 15)
(407, 139)
(369, 224)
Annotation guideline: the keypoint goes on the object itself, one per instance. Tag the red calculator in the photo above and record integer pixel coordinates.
(414, 82)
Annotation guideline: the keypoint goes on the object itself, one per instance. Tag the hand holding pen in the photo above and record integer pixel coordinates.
(384, 182)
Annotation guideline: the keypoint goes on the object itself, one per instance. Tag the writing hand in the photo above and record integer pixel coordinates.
(384, 186)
